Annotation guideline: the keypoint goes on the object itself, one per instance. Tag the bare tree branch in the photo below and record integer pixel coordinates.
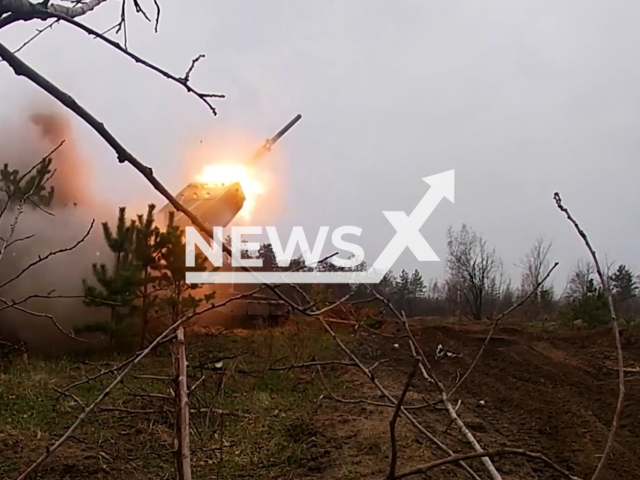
(616, 332)
(126, 368)
(14, 303)
(47, 256)
(22, 69)
(487, 453)
(429, 374)
(9, 304)
(495, 323)
(183, 454)
(394, 418)
(391, 399)
(313, 364)
(27, 8)
(183, 81)
(365, 401)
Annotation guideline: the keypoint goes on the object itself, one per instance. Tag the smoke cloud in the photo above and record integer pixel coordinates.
(37, 233)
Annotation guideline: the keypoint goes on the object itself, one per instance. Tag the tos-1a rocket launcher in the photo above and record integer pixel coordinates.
(218, 205)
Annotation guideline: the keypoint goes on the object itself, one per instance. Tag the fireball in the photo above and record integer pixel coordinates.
(220, 175)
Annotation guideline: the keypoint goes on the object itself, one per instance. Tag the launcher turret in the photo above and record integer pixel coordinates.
(219, 204)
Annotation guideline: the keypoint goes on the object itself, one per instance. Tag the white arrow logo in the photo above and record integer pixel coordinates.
(408, 227)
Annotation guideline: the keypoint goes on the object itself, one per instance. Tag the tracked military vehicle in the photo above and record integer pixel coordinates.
(218, 205)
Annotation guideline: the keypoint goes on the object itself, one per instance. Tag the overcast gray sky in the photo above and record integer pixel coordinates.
(521, 98)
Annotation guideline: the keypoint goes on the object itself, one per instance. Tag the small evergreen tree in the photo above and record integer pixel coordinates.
(117, 284)
(591, 307)
(623, 284)
(417, 285)
(178, 298)
(148, 246)
(417, 290)
(32, 184)
(403, 289)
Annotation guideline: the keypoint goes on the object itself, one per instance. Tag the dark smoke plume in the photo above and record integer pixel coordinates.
(23, 143)
(73, 175)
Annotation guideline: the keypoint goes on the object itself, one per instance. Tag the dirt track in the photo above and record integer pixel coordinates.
(553, 393)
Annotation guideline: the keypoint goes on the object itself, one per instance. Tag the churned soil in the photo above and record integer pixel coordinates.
(550, 392)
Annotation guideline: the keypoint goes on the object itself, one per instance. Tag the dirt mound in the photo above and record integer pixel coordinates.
(551, 392)
(547, 392)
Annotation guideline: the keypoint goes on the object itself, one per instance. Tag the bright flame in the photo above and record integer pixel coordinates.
(224, 174)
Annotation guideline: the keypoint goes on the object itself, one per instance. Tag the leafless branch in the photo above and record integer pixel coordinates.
(394, 418)
(430, 376)
(113, 369)
(487, 453)
(153, 377)
(126, 368)
(70, 395)
(186, 78)
(365, 401)
(385, 335)
(183, 81)
(17, 240)
(130, 411)
(47, 256)
(39, 32)
(183, 453)
(313, 313)
(313, 364)
(22, 69)
(9, 304)
(495, 323)
(14, 303)
(153, 395)
(44, 159)
(195, 385)
(616, 332)
(26, 9)
(391, 399)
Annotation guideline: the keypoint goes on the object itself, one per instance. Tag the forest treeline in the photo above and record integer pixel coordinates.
(144, 280)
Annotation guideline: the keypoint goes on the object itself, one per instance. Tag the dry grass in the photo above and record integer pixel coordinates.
(283, 424)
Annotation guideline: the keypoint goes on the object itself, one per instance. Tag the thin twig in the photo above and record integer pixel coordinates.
(365, 401)
(488, 453)
(495, 324)
(314, 364)
(47, 256)
(130, 363)
(430, 376)
(391, 399)
(394, 418)
(183, 81)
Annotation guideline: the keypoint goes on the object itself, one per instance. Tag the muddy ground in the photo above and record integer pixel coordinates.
(552, 392)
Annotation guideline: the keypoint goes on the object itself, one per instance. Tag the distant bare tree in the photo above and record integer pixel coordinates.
(582, 272)
(386, 286)
(434, 289)
(472, 271)
(535, 264)
(499, 292)
(579, 279)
